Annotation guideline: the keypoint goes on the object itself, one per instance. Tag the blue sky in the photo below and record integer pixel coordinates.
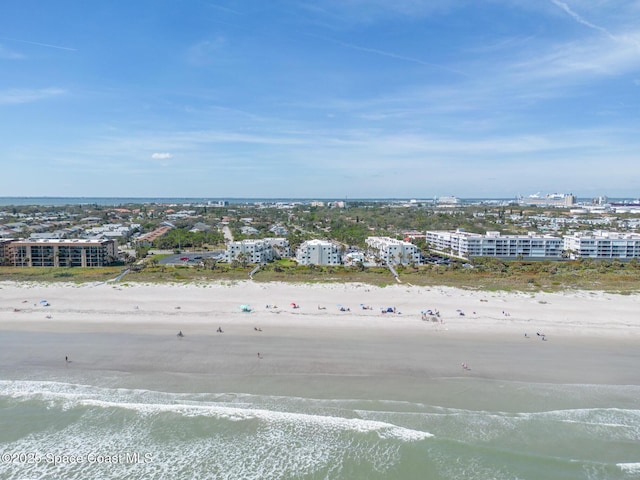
(322, 98)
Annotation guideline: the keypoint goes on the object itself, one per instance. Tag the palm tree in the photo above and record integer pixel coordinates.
(244, 258)
(211, 263)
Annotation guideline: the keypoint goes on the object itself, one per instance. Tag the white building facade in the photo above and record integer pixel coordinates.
(318, 252)
(254, 251)
(280, 246)
(258, 251)
(493, 244)
(393, 251)
(602, 244)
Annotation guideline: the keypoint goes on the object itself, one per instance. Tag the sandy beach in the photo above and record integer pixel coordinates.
(316, 339)
(309, 384)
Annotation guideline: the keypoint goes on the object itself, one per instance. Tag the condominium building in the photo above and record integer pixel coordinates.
(493, 244)
(252, 251)
(318, 252)
(280, 246)
(4, 250)
(62, 253)
(602, 244)
(393, 251)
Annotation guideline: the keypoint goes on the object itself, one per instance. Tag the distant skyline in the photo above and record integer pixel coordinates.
(324, 98)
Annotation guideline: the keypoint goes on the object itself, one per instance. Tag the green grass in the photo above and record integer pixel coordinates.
(60, 274)
(514, 276)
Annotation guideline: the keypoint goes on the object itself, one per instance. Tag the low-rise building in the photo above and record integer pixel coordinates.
(318, 252)
(62, 253)
(281, 247)
(251, 251)
(248, 230)
(279, 230)
(147, 239)
(4, 250)
(602, 244)
(354, 258)
(393, 251)
(493, 244)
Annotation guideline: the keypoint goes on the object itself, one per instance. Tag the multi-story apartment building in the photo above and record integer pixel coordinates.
(280, 246)
(393, 251)
(62, 253)
(319, 252)
(4, 250)
(254, 251)
(602, 244)
(493, 244)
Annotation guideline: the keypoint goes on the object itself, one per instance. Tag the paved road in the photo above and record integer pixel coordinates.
(226, 231)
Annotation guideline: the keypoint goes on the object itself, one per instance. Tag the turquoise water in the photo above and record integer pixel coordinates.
(116, 433)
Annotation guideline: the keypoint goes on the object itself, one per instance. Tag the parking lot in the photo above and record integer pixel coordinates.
(191, 258)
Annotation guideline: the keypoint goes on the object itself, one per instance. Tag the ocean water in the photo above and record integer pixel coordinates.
(59, 430)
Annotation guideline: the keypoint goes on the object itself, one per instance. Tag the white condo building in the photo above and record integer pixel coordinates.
(280, 246)
(394, 251)
(602, 244)
(256, 251)
(318, 252)
(493, 244)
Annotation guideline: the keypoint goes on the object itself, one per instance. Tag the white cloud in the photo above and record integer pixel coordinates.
(162, 156)
(7, 54)
(206, 52)
(39, 44)
(578, 18)
(368, 9)
(14, 96)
